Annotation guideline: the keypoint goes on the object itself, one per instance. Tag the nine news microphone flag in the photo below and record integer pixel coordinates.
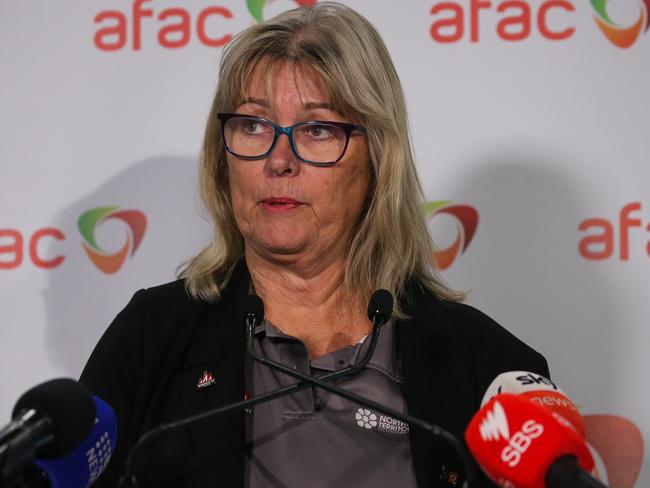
(81, 467)
(59, 426)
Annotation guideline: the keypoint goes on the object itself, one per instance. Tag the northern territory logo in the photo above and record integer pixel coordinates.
(621, 36)
(256, 7)
(466, 223)
(367, 419)
(136, 224)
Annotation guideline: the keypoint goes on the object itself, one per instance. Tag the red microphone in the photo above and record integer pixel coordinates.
(520, 444)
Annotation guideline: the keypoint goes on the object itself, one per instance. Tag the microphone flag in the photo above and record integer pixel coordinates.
(81, 467)
(515, 441)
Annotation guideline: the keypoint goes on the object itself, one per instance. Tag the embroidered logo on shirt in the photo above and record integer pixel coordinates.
(367, 419)
(205, 380)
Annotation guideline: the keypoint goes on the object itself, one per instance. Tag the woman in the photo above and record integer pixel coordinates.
(309, 178)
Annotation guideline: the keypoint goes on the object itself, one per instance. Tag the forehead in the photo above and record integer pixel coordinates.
(284, 81)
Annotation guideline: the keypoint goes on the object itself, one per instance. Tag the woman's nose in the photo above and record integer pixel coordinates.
(282, 161)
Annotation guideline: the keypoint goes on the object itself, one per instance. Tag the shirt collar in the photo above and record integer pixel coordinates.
(384, 359)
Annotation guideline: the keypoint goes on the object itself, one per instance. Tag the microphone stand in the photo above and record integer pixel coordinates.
(130, 480)
(433, 429)
(306, 381)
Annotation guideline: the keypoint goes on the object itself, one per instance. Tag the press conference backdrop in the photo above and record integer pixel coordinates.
(531, 126)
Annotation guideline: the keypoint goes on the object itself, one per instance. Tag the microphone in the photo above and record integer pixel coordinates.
(540, 390)
(64, 430)
(380, 306)
(252, 309)
(519, 443)
(380, 310)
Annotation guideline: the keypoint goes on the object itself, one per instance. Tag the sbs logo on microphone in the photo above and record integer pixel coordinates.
(494, 427)
(520, 442)
(495, 424)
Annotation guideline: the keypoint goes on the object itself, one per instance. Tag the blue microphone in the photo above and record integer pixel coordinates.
(60, 427)
(87, 461)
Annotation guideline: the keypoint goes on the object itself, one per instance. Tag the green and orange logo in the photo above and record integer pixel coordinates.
(619, 35)
(466, 223)
(136, 223)
(256, 7)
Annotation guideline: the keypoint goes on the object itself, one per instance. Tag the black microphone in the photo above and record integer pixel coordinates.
(380, 306)
(252, 309)
(57, 426)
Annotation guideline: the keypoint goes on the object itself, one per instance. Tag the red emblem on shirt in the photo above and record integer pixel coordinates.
(205, 380)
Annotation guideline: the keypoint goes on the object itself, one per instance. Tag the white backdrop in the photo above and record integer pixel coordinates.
(537, 135)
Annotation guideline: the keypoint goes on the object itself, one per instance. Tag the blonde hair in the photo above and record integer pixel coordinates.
(392, 244)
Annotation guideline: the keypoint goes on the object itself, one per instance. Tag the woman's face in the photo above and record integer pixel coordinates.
(285, 208)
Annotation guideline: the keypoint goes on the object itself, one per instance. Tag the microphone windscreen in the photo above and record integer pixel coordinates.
(381, 303)
(70, 407)
(251, 305)
(85, 463)
(515, 441)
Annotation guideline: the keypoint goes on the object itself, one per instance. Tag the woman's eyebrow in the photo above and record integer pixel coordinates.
(316, 105)
(262, 102)
(257, 101)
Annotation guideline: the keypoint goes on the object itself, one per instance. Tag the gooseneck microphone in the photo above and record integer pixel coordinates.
(58, 426)
(380, 308)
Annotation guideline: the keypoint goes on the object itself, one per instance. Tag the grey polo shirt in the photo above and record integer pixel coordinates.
(317, 439)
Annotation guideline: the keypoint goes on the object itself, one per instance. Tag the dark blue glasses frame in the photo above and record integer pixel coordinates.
(278, 130)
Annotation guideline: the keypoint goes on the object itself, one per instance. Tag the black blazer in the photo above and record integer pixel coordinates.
(148, 363)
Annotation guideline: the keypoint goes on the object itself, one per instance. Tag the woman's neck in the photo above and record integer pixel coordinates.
(310, 302)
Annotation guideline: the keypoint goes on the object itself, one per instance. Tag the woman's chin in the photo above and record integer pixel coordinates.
(280, 247)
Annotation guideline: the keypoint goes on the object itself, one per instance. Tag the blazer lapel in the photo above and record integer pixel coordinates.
(429, 354)
(213, 376)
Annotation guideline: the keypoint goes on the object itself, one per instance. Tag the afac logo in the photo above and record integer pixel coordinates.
(467, 222)
(621, 36)
(603, 234)
(256, 7)
(106, 262)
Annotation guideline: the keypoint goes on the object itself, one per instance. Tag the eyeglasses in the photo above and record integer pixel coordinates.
(316, 142)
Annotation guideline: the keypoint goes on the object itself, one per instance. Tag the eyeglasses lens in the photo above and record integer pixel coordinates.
(313, 141)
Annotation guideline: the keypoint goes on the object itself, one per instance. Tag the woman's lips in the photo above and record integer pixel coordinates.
(280, 204)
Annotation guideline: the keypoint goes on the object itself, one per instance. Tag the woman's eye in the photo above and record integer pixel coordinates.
(319, 131)
(252, 127)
